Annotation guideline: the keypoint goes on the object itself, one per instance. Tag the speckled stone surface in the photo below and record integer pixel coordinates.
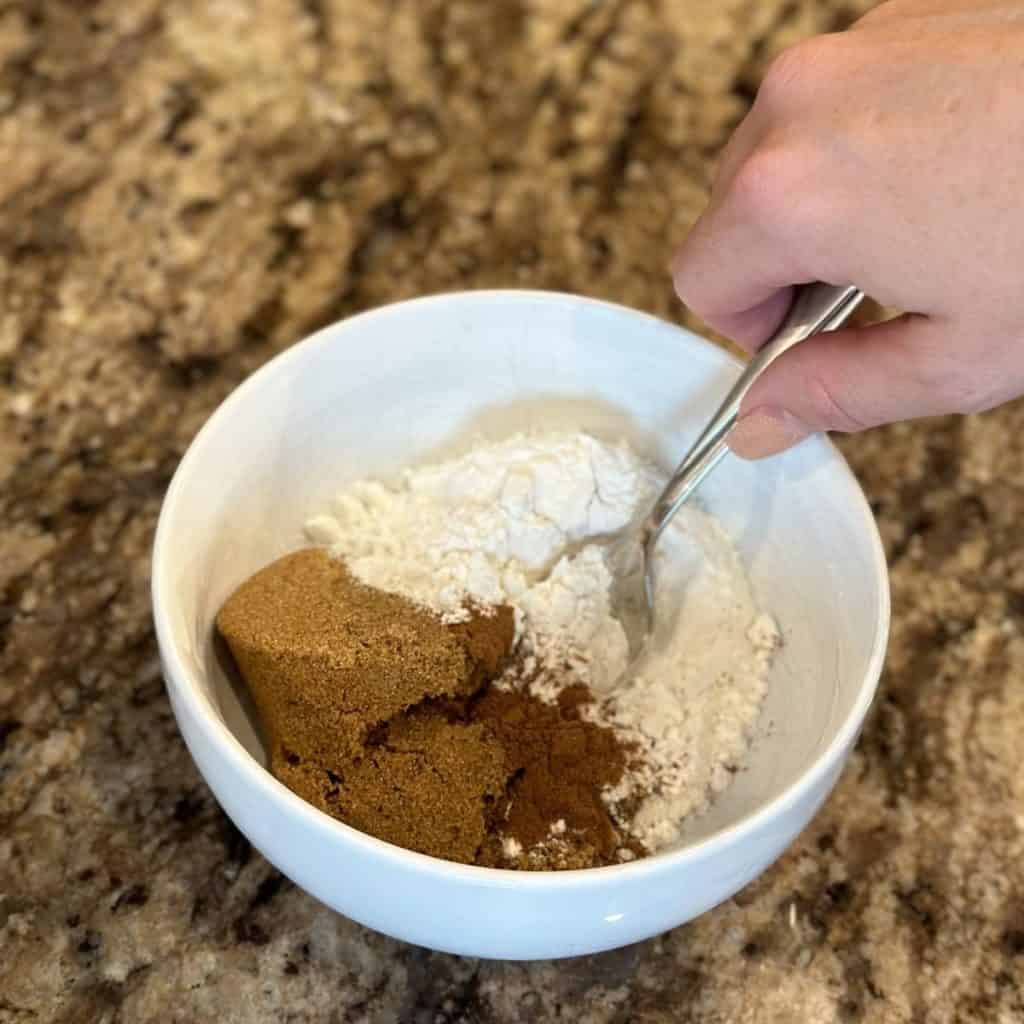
(187, 187)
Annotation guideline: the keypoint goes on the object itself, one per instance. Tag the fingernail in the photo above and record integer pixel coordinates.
(766, 431)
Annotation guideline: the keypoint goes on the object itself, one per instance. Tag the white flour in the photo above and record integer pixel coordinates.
(491, 526)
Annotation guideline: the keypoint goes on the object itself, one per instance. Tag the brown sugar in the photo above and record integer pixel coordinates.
(381, 715)
(327, 658)
(425, 783)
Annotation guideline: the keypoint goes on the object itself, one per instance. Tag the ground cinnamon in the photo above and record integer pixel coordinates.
(553, 810)
(383, 716)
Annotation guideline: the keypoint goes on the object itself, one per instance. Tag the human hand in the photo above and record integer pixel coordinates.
(891, 157)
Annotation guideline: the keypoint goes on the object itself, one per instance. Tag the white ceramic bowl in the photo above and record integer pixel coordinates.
(416, 380)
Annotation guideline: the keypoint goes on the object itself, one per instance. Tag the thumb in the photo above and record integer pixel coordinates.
(852, 379)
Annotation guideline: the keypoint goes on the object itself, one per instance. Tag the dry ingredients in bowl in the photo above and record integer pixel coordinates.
(527, 757)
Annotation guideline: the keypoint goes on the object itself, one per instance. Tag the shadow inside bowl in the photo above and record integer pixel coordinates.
(234, 701)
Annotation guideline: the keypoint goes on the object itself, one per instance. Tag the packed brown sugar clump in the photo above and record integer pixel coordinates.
(425, 784)
(327, 658)
(378, 713)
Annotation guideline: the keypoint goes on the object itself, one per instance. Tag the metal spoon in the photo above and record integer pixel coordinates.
(630, 551)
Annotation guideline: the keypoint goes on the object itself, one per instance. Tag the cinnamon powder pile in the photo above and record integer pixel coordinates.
(381, 715)
(552, 808)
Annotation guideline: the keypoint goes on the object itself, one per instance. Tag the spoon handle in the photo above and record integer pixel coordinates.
(816, 308)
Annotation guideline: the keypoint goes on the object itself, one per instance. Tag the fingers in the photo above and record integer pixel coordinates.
(740, 253)
(856, 378)
(697, 264)
(751, 327)
(747, 136)
(774, 220)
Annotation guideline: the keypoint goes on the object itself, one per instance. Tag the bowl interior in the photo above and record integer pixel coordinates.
(421, 380)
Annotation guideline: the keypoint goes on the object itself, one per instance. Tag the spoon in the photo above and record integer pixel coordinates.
(629, 552)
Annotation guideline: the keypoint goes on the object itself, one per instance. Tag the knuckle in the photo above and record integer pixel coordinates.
(881, 13)
(797, 71)
(794, 196)
(772, 188)
(762, 182)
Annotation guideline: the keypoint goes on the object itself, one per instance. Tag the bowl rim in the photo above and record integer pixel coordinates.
(181, 684)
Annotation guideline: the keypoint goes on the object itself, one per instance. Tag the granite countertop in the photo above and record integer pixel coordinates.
(189, 186)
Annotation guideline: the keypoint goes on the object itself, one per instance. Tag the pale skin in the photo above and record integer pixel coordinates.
(890, 156)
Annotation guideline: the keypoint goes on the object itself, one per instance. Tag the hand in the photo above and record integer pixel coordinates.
(891, 157)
